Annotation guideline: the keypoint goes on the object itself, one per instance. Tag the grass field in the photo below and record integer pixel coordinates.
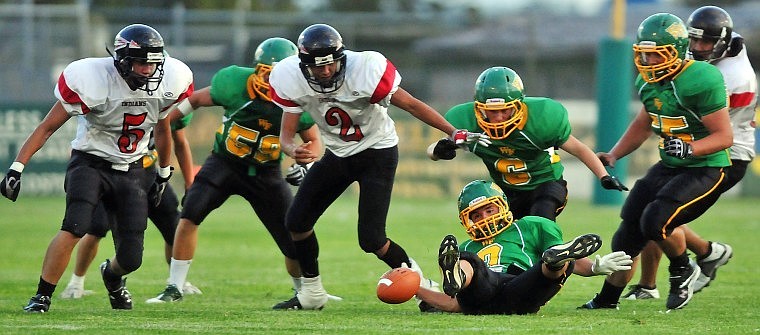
(242, 276)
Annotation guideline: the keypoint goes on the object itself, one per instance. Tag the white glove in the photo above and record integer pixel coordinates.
(609, 263)
(463, 137)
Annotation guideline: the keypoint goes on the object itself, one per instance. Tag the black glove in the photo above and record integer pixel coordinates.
(11, 184)
(296, 172)
(444, 149)
(676, 147)
(159, 186)
(612, 183)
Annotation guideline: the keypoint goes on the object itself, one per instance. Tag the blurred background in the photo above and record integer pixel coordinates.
(438, 46)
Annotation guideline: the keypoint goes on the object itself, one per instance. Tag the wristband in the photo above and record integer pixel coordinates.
(165, 172)
(17, 166)
(185, 107)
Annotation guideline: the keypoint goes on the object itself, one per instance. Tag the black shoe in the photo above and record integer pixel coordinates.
(291, 303)
(448, 261)
(38, 304)
(593, 304)
(117, 294)
(579, 247)
(682, 281)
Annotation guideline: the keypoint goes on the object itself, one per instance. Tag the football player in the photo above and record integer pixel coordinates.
(347, 94)
(164, 215)
(712, 39)
(117, 101)
(526, 133)
(685, 103)
(245, 160)
(510, 266)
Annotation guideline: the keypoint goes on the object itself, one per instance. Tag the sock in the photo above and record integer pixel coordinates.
(609, 294)
(45, 288)
(681, 260)
(76, 281)
(395, 256)
(296, 283)
(178, 270)
(308, 251)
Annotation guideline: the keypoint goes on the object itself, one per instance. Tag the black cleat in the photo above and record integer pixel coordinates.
(579, 247)
(448, 261)
(593, 304)
(682, 281)
(38, 304)
(117, 293)
(291, 303)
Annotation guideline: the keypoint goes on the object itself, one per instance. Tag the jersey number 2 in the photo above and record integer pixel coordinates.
(338, 117)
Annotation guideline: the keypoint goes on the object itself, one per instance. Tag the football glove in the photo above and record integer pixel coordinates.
(296, 172)
(676, 147)
(612, 183)
(464, 137)
(609, 263)
(443, 149)
(11, 184)
(159, 186)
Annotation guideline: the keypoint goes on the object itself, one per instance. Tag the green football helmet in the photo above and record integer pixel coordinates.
(267, 54)
(499, 88)
(664, 35)
(481, 193)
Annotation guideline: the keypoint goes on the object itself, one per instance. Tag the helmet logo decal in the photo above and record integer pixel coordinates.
(319, 61)
(518, 84)
(677, 30)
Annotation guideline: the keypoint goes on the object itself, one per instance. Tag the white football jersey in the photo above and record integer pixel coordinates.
(113, 121)
(741, 84)
(351, 119)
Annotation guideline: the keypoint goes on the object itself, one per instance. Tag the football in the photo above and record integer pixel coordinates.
(398, 285)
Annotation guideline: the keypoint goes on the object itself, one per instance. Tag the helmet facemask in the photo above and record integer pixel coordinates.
(710, 24)
(499, 130)
(479, 194)
(321, 45)
(139, 43)
(652, 73)
(267, 54)
(324, 85)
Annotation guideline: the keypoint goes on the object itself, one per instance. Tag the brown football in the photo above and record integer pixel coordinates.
(398, 285)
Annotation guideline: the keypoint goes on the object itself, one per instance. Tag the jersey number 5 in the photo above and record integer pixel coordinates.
(130, 136)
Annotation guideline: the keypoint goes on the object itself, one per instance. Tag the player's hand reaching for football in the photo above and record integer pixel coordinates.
(464, 137)
(11, 184)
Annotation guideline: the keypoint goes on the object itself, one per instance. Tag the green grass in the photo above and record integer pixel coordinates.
(242, 276)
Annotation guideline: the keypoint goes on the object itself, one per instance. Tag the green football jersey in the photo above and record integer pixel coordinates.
(526, 158)
(522, 244)
(676, 108)
(250, 129)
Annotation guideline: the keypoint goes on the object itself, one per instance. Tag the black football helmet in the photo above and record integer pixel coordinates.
(712, 24)
(141, 43)
(318, 45)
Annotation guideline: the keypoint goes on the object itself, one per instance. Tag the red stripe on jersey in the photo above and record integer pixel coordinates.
(70, 96)
(280, 100)
(741, 99)
(386, 83)
(188, 92)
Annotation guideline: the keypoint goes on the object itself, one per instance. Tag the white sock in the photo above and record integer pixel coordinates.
(296, 283)
(76, 280)
(178, 272)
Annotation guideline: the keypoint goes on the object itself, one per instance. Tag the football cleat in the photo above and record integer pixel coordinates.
(637, 292)
(38, 304)
(118, 295)
(682, 281)
(719, 256)
(291, 303)
(189, 289)
(170, 294)
(593, 304)
(448, 261)
(579, 247)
